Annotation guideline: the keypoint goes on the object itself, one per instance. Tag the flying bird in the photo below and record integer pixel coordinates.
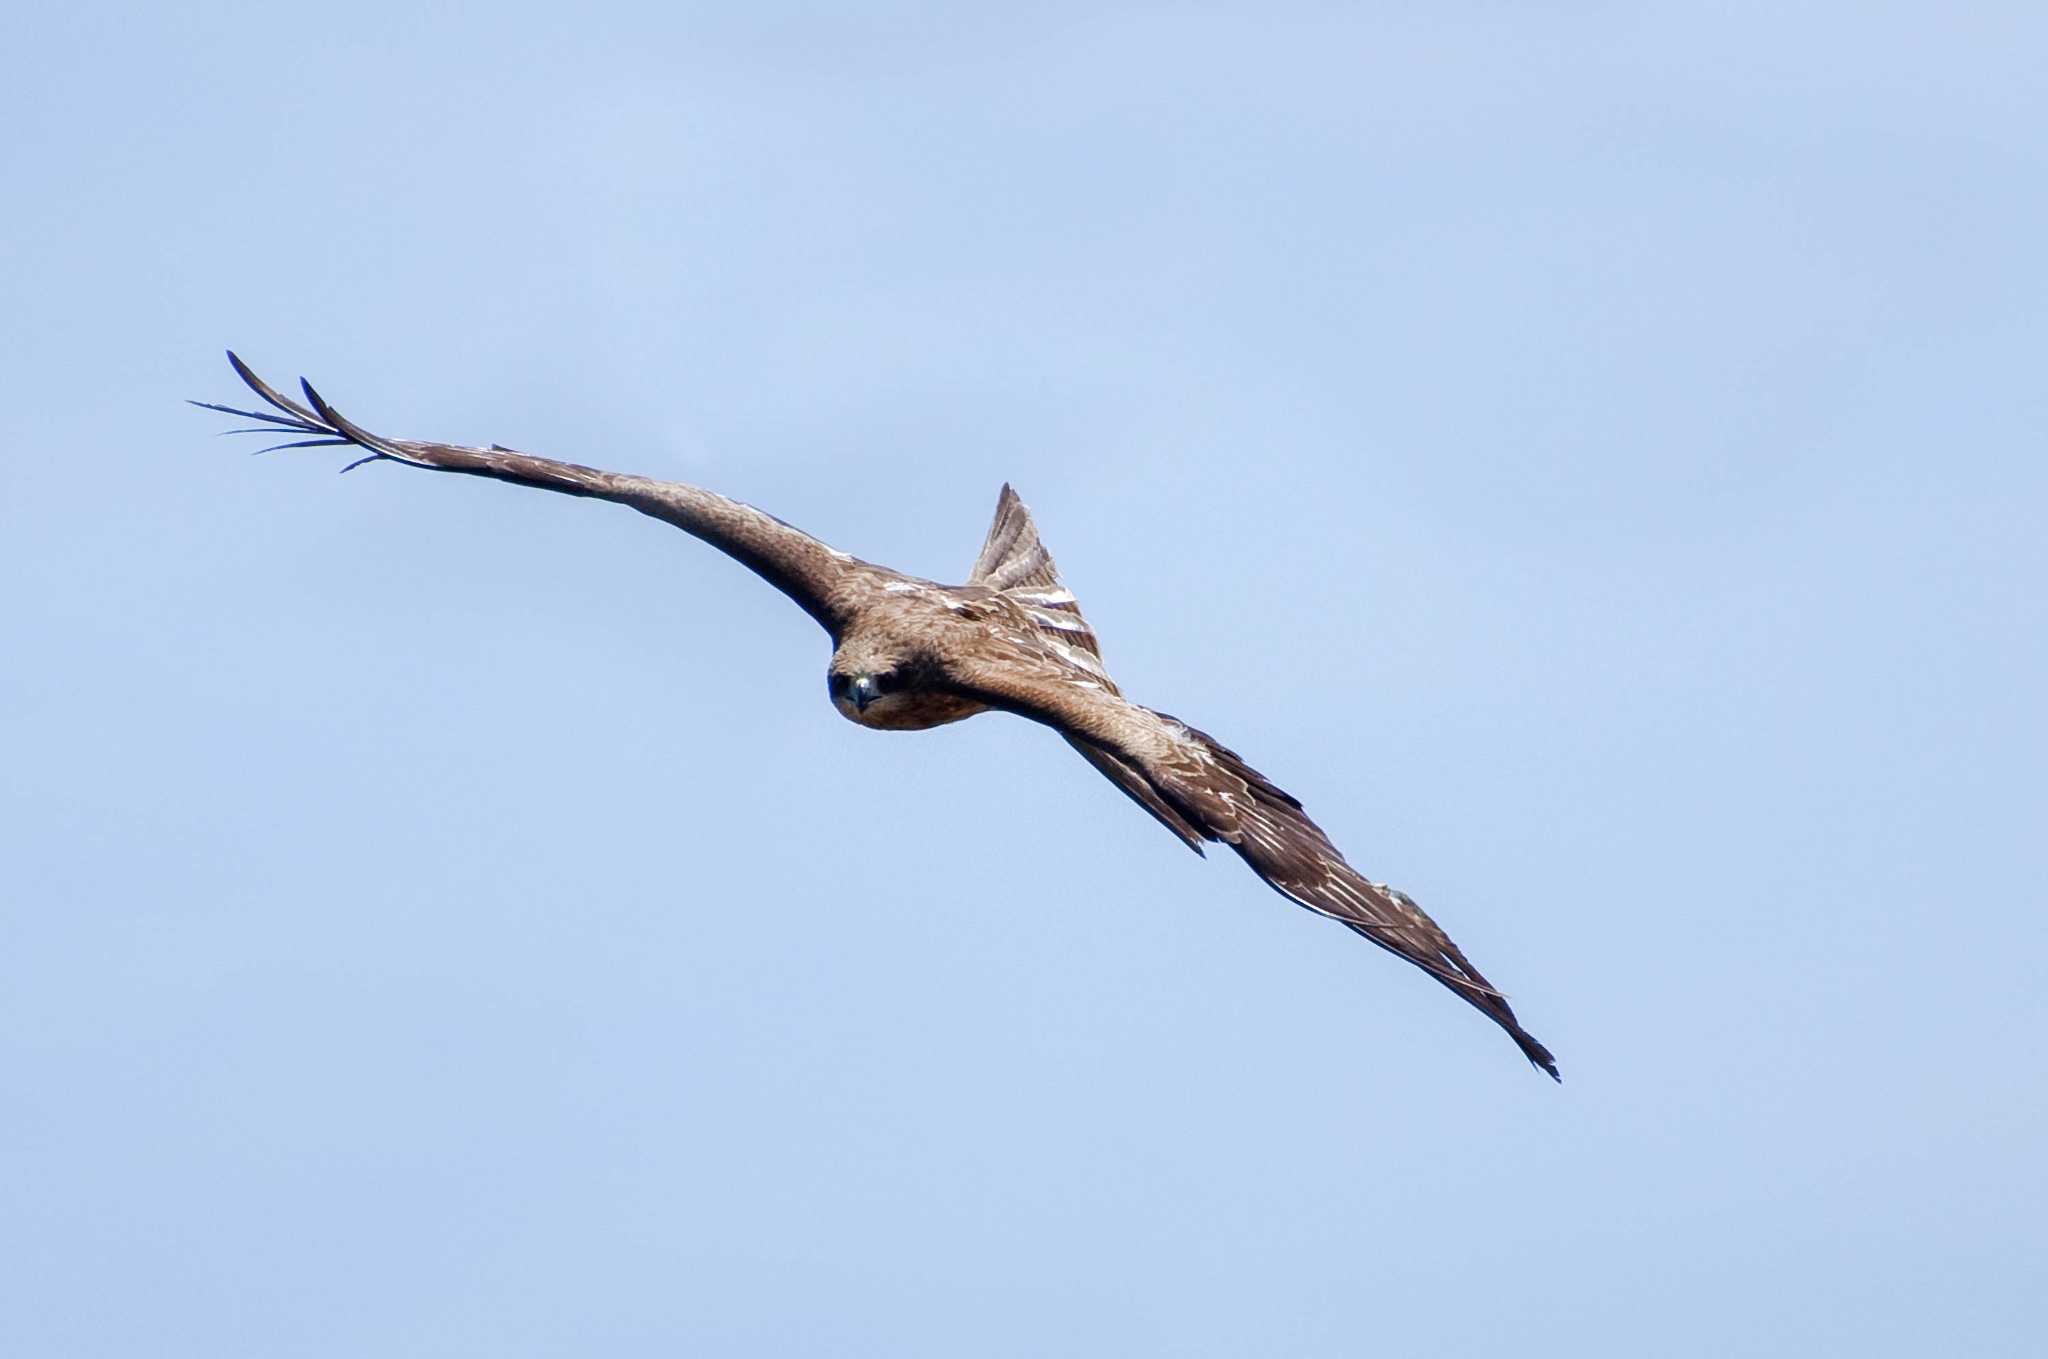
(910, 653)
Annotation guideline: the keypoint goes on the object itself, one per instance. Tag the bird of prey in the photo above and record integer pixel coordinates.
(909, 653)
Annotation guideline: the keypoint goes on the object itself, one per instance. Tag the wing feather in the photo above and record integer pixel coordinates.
(1139, 789)
(1200, 788)
(1014, 562)
(1295, 858)
(816, 577)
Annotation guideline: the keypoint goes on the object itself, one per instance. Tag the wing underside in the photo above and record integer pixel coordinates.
(1216, 790)
(810, 573)
(1201, 790)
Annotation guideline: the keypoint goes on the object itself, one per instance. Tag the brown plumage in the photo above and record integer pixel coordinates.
(910, 653)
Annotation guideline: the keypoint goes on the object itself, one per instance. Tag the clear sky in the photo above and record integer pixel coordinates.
(1592, 454)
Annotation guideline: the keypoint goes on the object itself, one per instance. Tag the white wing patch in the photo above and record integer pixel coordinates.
(1048, 599)
(1060, 622)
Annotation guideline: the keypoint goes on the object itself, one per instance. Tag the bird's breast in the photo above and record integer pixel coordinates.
(910, 711)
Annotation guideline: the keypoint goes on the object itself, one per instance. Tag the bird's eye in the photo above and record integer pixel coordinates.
(887, 682)
(837, 684)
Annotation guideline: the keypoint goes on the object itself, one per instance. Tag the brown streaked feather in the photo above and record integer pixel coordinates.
(1208, 788)
(1296, 859)
(1139, 789)
(1013, 638)
(1014, 562)
(1012, 555)
(822, 582)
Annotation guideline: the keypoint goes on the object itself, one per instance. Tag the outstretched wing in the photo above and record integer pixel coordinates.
(1200, 790)
(818, 578)
(1271, 832)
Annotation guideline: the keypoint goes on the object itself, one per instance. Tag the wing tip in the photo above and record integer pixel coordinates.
(1538, 1055)
(353, 432)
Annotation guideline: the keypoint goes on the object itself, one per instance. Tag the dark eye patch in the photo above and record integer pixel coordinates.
(836, 684)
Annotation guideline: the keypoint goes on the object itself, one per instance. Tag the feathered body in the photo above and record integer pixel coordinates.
(911, 653)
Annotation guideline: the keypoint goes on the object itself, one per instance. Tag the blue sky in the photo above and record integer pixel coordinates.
(1592, 455)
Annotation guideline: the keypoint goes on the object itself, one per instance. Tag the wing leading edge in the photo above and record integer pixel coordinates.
(813, 575)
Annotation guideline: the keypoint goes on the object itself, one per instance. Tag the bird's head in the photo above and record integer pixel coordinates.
(853, 693)
(867, 680)
(884, 687)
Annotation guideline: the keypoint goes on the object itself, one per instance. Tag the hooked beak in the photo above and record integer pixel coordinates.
(863, 692)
